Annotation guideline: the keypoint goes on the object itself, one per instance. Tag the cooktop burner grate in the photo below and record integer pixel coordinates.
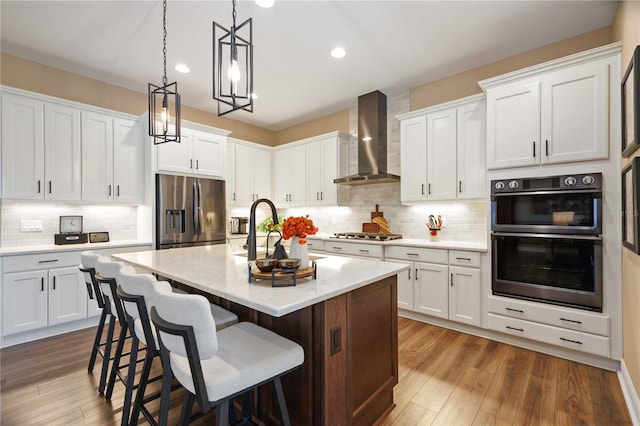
(366, 236)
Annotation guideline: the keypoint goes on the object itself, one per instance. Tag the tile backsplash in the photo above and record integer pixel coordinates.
(120, 221)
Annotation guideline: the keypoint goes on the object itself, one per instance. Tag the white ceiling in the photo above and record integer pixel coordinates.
(391, 45)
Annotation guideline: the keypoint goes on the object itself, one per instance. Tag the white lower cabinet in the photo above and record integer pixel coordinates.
(570, 328)
(350, 249)
(440, 283)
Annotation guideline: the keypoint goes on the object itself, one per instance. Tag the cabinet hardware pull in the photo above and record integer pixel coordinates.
(429, 188)
(49, 187)
(534, 149)
(38, 186)
(118, 190)
(109, 190)
(571, 341)
(234, 196)
(460, 186)
(363, 251)
(546, 147)
(197, 164)
(514, 310)
(514, 328)
(416, 273)
(41, 284)
(409, 273)
(54, 282)
(321, 196)
(191, 163)
(317, 196)
(422, 188)
(336, 248)
(452, 279)
(413, 254)
(47, 261)
(570, 320)
(468, 259)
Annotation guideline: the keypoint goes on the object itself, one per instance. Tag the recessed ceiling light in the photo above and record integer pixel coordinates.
(265, 3)
(338, 52)
(182, 68)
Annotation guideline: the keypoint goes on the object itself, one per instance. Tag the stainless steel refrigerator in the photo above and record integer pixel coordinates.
(189, 211)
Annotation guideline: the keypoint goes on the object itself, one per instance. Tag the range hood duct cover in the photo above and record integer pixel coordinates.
(372, 142)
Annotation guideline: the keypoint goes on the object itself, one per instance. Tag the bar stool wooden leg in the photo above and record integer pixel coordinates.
(115, 364)
(282, 403)
(144, 378)
(189, 399)
(107, 355)
(129, 386)
(222, 413)
(97, 341)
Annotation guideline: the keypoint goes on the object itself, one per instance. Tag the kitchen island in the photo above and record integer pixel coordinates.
(345, 320)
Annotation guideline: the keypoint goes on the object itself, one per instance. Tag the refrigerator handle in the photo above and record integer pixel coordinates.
(194, 207)
(200, 218)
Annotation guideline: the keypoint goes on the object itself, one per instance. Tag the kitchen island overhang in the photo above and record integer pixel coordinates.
(345, 320)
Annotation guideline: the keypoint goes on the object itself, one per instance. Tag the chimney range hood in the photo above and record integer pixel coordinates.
(372, 142)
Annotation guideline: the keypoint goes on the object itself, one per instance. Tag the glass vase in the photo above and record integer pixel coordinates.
(299, 251)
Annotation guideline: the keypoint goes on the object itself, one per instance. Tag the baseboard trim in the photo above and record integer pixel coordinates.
(630, 394)
(42, 333)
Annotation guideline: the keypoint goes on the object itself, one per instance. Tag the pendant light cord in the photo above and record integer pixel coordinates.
(164, 40)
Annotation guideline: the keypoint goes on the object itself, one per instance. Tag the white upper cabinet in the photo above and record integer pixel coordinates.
(552, 113)
(112, 158)
(251, 174)
(327, 159)
(289, 176)
(442, 151)
(199, 152)
(41, 149)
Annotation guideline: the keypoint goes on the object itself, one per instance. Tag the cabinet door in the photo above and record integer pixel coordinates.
(314, 173)
(464, 295)
(97, 157)
(208, 154)
(67, 295)
(431, 289)
(441, 155)
(575, 114)
(129, 165)
(405, 287)
(471, 150)
(282, 176)
(329, 158)
(22, 148)
(261, 173)
(176, 157)
(244, 175)
(413, 158)
(62, 155)
(230, 174)
(513, 125)
(24, 301)
(298, 176)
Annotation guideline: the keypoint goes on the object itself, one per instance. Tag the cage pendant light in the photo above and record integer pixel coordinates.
(233, 66)
(164, 101)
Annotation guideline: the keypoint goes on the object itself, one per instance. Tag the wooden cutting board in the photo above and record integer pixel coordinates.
(372, 228)
(377, 213)
(383, 225)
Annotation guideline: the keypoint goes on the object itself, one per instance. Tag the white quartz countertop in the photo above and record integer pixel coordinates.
(411, 242)
(48, 248)
(217, 271)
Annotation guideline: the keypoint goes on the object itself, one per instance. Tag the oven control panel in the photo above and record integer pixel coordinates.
(553, 183)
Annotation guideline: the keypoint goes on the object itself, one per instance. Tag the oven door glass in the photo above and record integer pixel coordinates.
(560, 269)
(555, 212)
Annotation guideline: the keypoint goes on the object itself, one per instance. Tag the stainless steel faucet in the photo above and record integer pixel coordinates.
(251, 238)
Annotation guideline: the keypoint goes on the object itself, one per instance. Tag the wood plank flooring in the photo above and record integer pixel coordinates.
(446, 378)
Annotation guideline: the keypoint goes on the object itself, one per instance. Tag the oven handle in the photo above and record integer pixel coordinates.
(496, 235)
(563, 191)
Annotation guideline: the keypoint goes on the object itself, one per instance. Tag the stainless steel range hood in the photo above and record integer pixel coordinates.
(372, 142)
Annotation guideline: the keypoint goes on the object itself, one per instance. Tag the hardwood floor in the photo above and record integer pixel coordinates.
(446, 378)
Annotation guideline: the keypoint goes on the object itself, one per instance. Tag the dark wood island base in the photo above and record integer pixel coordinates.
(351, 358)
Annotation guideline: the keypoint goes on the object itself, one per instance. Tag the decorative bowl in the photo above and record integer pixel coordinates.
(289, 263)
(266, 264)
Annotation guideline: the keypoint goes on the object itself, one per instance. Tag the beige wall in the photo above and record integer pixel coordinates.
(466, 83)
(337, 121)
(29, 75)
(626, 27)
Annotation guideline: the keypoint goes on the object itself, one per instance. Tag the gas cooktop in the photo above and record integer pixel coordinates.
(366, 236)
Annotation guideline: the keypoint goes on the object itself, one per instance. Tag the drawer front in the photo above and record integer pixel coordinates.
(315, 245)
(464, 258)
(583, 342)
(30, 262)
(355, 249)
(553, 315)
(417, 254)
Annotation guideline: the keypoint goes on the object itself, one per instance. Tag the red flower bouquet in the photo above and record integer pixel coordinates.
(298, 226)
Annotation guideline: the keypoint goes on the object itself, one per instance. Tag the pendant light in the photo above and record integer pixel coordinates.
(164, 101)
(233, 66)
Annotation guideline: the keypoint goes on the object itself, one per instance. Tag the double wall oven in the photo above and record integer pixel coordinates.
(547, 239)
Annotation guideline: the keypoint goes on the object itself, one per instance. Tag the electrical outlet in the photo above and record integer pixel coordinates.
(31, 225)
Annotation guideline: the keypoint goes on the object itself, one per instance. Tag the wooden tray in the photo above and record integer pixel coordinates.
(283, 277)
